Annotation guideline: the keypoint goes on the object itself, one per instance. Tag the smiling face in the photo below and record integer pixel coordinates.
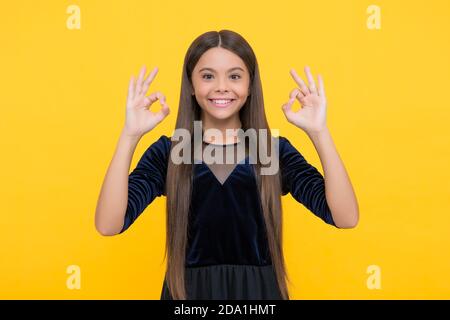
(221, 85)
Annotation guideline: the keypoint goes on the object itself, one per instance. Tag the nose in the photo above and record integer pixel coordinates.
(222, 86)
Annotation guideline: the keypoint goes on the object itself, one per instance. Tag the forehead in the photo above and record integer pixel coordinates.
(220, 59)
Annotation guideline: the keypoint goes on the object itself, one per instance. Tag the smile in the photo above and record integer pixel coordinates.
(221, 103)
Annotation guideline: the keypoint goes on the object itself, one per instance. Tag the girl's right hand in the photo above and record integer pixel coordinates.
(139, 119)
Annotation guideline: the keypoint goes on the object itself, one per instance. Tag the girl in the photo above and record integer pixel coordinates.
(224, 231)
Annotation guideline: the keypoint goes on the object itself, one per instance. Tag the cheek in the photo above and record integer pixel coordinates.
(203, 91)
(243, 92)
(242, 89)
(200, 87)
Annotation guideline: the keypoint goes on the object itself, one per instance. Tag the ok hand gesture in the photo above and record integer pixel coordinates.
(139, 119)
(312, 116)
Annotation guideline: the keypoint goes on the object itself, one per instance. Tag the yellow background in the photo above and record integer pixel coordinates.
(63, 98)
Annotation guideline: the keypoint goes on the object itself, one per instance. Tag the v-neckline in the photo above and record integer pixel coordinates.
(242, 162)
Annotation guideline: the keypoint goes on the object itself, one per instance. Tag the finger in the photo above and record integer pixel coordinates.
(139, 81)
(299, 95)
(296, 92)
(312, 84)
(302, 100)
(156, 96)
(149, 100)
(321, 86)
(287, 107)
(161, 97)
(164, 112)
(131, 88)
(149, 80)
(300, 82)
(164, 109)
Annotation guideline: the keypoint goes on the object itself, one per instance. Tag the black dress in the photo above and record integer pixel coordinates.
(227, 254)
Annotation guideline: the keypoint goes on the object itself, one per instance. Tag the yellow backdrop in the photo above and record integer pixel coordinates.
(65, 67)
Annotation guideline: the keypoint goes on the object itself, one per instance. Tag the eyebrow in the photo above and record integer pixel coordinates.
(210, 69)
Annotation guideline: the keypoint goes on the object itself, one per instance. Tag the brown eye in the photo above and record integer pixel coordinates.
(238, 76)
(206, 75)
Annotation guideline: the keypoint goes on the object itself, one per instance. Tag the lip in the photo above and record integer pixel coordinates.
(221, 106)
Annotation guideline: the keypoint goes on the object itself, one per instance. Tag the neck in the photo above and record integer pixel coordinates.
(232, 124)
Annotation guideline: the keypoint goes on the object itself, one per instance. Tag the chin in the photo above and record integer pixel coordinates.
(220, 114)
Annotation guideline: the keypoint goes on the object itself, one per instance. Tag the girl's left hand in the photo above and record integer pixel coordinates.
(312, 116)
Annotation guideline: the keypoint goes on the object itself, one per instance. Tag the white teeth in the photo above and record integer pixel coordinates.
(221, 101)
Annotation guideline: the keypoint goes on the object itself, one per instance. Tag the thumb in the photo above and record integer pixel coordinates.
(287, 107)
(164, 112)
(288, 113)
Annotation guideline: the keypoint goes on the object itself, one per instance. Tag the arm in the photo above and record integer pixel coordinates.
(115, 211)
(311, 118)
(338, 189)
(113, 198)
(304, 182)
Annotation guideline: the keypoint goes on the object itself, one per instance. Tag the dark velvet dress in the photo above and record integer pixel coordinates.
(228, 254)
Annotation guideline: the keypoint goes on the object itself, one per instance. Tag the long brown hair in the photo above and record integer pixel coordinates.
(180, 176)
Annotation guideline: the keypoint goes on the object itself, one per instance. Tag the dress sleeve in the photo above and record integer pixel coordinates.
(147, 181)
(305, 183)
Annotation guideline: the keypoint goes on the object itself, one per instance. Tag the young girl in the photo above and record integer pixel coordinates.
(224, 231)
